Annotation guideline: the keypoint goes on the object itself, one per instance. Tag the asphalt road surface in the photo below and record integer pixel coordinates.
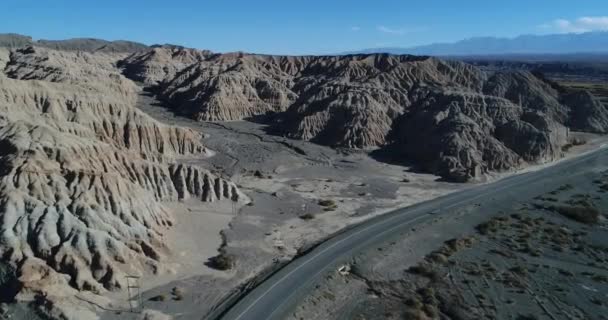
(279, 294)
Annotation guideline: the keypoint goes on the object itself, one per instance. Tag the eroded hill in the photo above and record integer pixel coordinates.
(90, 171)
(449, 117)
(83, 173)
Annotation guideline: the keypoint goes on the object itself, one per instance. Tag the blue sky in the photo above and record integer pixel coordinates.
(298, 27)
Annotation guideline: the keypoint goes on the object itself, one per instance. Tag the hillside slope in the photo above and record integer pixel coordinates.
(449, 117)
(83, 173)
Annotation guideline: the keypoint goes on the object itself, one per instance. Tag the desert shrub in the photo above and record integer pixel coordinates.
(329, 296)
(567, 147)
(600, 278)
(424, 270)
(431, 311)
(428, 295)
(520, 270)
(578, 141)
(437, 257)
(307, 216)
(178, 293)
(160, 297)
(573, 142)
(223, 261)
(327, 203)
(583, 214)
(414, 303)
(488, 227)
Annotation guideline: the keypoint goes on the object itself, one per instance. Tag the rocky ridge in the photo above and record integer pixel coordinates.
(13, 41)
(449, 117)
(84, 174)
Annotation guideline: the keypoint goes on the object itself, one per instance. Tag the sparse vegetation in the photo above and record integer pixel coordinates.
(178, 293)
(600, 278)
(329, 296)
(414, 303)
(491, 226)
(583, 214)
(423, 269)
(307, 216)
(223, 261)
(160, 297)
(573, 142)
(512, 241)
(487, 227)
(520, 270)
(327, 203)
(258, 174)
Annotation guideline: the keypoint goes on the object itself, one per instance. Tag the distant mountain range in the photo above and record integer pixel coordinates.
(590, 46)
(590, 42)
(13, 40)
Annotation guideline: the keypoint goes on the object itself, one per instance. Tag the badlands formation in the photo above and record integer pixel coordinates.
(85, 176)
(448, 117)
(83, 173)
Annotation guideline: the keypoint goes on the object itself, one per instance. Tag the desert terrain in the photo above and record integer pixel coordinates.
(157, 182)
(542, 257)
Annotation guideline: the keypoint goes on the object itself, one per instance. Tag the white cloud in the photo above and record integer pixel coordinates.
(355, 28)
(583, 24)
(398, 31)
(391, 30)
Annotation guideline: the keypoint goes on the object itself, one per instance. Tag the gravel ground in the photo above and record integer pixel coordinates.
(541, 259)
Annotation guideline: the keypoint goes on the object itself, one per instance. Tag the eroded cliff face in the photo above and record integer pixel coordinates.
(159, 64)
(589, 114)
(450, 117)
(83, 174)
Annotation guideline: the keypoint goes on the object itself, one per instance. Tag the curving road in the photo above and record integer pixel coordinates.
(275, 297)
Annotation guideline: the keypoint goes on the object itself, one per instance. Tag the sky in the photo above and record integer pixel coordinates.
(298, 27)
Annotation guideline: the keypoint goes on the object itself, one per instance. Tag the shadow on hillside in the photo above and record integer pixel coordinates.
(394, 155)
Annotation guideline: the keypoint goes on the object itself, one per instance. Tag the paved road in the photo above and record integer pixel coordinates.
(275, 297)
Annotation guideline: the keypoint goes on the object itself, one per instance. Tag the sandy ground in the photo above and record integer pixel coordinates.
(193, 240)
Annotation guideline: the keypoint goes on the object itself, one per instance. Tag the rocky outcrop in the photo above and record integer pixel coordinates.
(450, 117)
(83, 174)
(462, 136)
